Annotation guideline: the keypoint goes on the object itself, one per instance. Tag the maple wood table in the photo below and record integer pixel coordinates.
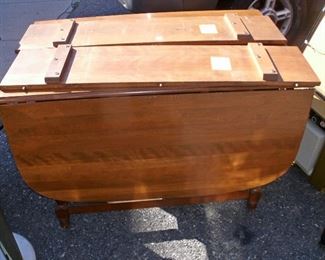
(99, 127)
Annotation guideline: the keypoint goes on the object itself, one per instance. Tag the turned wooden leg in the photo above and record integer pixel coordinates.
(322, 239)
(253, 198)
(62, 213)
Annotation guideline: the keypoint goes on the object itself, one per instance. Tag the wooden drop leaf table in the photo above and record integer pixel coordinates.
(108, 127)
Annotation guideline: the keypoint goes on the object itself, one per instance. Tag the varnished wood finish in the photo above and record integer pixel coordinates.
(56, 68)
(254, 197)
(263, 62)
(260, 28)
(65, 209)
(109, 67)
(63, 33)
(118, 127)
(141, 16)
(62, 213)
(298, 65)
(149, 29)
(158, 146)
(237, 27)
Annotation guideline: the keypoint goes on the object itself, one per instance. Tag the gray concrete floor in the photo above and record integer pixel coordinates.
(15, 16)
(286, 225)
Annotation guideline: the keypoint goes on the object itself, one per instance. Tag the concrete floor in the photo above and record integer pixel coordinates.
(286, 225)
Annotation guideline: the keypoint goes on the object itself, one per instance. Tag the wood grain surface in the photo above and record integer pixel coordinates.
(56, 68)
(107, 67)
(150, 29)
(159, 146)
(237, 27)
(262, 60)
(63, 33)
(141, 16)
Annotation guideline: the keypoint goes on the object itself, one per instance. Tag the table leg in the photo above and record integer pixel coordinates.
(254, 197)
(322, 239)
(62, 213)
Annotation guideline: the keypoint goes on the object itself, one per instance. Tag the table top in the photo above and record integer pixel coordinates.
(202, 27)
(160, 67)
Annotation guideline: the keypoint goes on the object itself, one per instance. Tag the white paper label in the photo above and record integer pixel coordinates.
(159, 38)
(208, 28)
(220, 63)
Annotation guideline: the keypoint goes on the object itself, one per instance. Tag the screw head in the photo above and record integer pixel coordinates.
(57, 73)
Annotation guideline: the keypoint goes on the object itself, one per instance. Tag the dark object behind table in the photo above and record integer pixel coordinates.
(318, 176)
(322, 239)
(7, 241)
(171, 5)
